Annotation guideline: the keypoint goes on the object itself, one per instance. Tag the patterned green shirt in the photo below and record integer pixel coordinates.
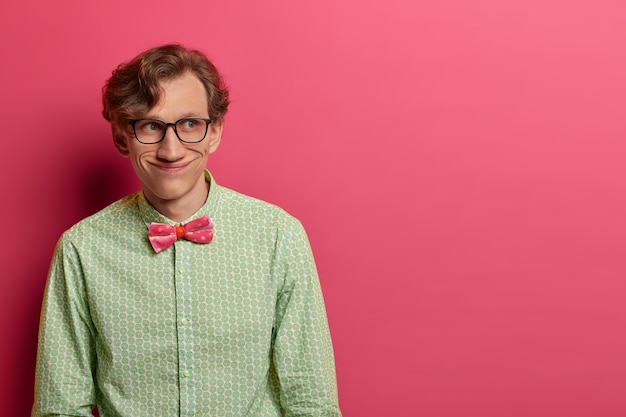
(232, 328)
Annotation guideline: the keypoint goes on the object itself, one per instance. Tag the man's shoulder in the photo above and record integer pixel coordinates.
(122, 213)
(243, 206)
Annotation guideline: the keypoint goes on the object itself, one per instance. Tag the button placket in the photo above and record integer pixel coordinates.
(185, 330)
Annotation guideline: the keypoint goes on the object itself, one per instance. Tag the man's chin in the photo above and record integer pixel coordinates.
(163, 192)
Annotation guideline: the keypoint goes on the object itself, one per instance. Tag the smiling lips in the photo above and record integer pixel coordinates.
(171, 169)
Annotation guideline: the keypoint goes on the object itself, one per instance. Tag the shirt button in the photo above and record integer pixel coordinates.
(185, 374)
(184, 322)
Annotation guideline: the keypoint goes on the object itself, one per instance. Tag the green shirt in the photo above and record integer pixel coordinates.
(232, 328)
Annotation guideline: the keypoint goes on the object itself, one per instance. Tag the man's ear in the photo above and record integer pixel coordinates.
(120, 140)
(214, 135)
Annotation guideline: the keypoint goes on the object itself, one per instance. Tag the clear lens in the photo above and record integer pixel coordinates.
(191, 130)
(149, 131)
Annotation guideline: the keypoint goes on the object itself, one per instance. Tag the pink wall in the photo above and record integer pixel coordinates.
(458, 165)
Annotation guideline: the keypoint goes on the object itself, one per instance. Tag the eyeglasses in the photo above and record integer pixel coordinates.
(188, 129)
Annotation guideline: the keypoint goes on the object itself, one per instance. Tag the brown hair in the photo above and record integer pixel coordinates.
(134, 89)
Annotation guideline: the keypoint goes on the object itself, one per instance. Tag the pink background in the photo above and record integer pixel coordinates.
(458, 165)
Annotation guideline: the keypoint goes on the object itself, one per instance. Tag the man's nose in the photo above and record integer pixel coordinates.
(170, 148)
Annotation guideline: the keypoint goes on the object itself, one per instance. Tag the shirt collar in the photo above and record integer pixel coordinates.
(149, 214)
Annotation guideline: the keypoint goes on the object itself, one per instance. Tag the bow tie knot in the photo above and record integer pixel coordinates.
(162, 236)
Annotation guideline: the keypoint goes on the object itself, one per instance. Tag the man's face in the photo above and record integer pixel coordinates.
(172, 172)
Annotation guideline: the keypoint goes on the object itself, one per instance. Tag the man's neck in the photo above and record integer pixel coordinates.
(181, 209)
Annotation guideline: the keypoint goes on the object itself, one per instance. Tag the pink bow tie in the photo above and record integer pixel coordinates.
(162, 236)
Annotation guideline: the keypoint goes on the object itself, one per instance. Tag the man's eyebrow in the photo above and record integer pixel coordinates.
(195, 114)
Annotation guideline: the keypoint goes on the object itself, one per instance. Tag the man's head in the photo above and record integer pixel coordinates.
(166, 109)
(135, 87)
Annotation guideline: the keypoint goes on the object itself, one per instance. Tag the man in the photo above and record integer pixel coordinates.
(187, 298)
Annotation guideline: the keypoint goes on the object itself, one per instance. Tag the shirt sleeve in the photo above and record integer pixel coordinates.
(303, 353)
(66, 353)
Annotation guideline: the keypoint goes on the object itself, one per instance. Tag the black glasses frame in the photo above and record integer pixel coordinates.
(167, 125)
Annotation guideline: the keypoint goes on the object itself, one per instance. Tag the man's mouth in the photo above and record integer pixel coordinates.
(171, 169)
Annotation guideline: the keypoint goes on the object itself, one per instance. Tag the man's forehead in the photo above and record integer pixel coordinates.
(183, 96)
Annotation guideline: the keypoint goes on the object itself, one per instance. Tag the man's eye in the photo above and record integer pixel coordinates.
(152, 126)
(190, 125)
